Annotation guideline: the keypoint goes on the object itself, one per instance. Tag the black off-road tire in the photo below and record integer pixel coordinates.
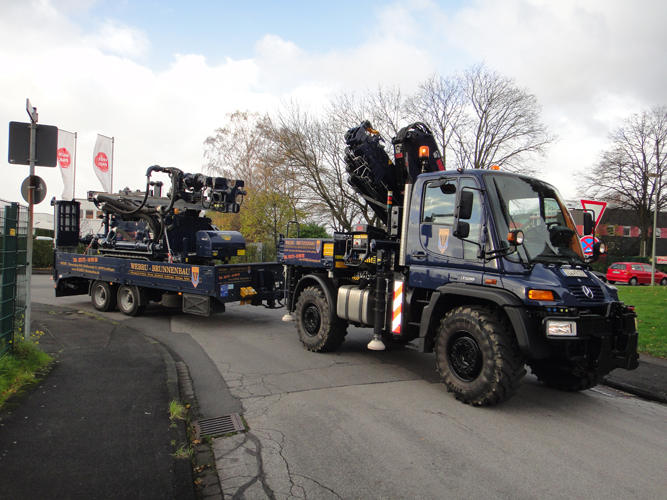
(103, 296)
(563, 378)
(316, 331)
(478, 357)
(129, 300)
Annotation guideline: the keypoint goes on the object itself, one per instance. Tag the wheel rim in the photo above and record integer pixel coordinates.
(100, 296)
(633, 281)
(663, 282)
(126, 299)
(311, 320)
(465, 357)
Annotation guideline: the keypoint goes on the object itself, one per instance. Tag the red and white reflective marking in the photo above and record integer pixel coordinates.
(397, 307)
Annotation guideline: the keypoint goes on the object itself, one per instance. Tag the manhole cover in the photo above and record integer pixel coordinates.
(218, 425)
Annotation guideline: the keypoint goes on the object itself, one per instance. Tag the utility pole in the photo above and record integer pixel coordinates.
(655, 224)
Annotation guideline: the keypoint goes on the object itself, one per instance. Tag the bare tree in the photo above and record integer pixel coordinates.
(440, 104)
(621, 176)
(501, 124)
(313, 149)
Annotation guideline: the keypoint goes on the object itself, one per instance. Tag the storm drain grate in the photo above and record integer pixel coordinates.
(218, 425)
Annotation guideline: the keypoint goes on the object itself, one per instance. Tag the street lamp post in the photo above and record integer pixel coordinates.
(655, 224)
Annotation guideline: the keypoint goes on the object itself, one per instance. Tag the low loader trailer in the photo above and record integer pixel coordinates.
(161, 249)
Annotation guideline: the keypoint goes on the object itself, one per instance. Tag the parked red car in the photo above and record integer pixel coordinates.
(634, 273)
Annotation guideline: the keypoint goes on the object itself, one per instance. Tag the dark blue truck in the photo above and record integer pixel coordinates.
(482, 267)
(162, 249)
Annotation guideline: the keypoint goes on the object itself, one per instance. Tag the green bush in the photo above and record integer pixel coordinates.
(42, 254)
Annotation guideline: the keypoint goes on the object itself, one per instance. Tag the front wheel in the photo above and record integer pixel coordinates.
(313, 322)
(103, 296)
(129, 300)
(478, 357)
(563, 378)
(663, 281)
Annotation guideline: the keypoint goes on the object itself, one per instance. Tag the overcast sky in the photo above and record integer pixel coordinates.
(160, 76)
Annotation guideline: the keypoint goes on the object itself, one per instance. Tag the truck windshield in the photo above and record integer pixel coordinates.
(535, 208)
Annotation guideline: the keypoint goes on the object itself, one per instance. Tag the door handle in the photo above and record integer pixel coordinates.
(419, 255)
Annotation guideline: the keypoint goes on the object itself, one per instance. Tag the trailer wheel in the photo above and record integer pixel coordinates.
(478, 357)
(316, 331)
(129, 300)
(563, 378)
(103, 296)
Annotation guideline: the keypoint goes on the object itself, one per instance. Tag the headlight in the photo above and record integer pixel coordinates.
(560, 328)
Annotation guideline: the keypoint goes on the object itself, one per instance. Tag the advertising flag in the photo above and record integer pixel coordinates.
(66, 161)
(103, 161)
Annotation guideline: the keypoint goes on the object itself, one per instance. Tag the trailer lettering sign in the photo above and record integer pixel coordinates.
(305, 250)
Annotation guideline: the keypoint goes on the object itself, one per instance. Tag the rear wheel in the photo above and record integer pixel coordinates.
(611, 282)
(633, 281)
(103, 296)
(478, 357)
(129, 300)
(316, 331)
(563, 378)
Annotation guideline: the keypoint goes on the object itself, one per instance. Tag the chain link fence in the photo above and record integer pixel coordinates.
(13, 268)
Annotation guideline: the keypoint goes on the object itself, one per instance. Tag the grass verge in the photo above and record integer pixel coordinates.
(650, 304)
(19, 370)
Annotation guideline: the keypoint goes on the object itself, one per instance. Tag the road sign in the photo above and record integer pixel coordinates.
(46, 145)
(38, 191)
(587, 243)
(597, 207)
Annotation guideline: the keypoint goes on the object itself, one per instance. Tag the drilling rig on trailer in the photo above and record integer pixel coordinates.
(482, 267)
(157, 247)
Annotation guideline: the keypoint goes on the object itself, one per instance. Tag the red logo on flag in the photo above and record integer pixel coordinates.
(102, 162)
(64, 158)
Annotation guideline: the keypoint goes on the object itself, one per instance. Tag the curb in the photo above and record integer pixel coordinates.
(204, 468)
(635, 391)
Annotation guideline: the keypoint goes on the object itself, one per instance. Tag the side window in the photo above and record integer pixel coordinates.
(437, 219)
(647, 268)
(438, 206)
(636, 267)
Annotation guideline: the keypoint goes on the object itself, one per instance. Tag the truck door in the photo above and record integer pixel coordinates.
(440, 257)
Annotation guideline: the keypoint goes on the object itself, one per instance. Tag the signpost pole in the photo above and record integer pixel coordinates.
(31, 206)
(655, 224)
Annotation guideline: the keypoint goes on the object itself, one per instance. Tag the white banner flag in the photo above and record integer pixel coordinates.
(103, 160)
(66, 162)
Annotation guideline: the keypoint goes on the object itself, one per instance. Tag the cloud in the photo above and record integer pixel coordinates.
(117, 38)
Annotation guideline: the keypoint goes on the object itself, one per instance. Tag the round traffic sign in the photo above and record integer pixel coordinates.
(35, 184)
(587, 243)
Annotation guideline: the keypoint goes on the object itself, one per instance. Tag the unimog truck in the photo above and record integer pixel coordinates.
(481, 267)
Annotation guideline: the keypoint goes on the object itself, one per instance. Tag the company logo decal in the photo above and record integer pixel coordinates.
(195, 277)
(587, 292)
(443, 240)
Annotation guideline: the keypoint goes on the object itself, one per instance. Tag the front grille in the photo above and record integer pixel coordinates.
(578, 292)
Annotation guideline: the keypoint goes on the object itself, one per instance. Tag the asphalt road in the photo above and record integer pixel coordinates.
(365, 424)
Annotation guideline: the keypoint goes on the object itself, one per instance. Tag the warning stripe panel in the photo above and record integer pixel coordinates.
(397, 307)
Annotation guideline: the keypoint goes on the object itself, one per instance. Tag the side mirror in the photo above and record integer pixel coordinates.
(599, 248)
(589, 224)
(465, 205)
(462, 230)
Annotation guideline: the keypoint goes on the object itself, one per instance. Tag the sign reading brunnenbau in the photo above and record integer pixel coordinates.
(103, 161)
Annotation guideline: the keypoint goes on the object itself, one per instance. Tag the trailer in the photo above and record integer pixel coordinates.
(162, 249)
